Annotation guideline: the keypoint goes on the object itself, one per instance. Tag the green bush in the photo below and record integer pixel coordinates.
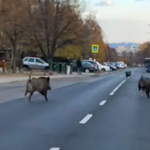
(8, 65)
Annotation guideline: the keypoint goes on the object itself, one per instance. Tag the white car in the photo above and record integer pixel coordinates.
(102, 67)
(121, 65)
(35, 63)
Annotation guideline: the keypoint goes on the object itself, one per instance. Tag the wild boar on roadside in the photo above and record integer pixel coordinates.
(41, 85)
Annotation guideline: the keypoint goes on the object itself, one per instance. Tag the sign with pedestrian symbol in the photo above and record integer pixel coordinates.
(95, 48)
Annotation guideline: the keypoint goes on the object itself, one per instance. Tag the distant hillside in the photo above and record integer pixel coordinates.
(127, 45)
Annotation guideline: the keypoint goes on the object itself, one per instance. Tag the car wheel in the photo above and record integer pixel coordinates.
(26, 68)
(46, 68)
(103, 69)
(87, 70)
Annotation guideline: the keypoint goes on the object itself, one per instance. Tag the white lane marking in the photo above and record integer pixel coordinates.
(102, 102)
(86, 119)
(113, 92)
(54, 148)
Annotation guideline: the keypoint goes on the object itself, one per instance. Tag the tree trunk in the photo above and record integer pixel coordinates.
(14, 68)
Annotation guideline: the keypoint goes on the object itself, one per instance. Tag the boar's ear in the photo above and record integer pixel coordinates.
(48, 79)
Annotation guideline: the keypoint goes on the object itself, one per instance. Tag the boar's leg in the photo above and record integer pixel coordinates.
(44, 93)
(31, 93)
(147, 93)
(46, 97)
(26, 92)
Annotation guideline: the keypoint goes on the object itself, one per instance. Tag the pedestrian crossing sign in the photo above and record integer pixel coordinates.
(95, 48)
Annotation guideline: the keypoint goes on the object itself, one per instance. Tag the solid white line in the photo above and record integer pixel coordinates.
(86, 119)
(113, 92)
(54, 148)
(102, 102)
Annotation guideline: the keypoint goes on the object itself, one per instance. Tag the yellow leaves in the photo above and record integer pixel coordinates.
(71, 51)
(143, 47)
(100, 57)
(125, 60)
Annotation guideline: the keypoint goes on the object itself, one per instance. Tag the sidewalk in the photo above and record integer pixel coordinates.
(21, 77)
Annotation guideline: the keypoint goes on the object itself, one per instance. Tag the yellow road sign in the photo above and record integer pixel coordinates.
(95, 48)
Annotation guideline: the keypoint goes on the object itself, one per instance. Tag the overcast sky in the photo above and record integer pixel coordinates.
(122, 20)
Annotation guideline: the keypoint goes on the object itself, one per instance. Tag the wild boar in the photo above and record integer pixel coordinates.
(41, 85)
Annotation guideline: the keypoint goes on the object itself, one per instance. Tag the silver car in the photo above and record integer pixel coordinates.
(35, 63)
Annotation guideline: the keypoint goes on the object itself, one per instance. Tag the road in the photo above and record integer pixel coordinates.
(93, 113)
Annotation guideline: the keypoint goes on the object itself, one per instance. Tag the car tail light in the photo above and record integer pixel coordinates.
(92, 66)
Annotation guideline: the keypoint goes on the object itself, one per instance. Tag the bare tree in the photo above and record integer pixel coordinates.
(53, 24)
(13, 23)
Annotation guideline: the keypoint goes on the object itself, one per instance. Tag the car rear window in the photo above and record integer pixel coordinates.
(39, 61)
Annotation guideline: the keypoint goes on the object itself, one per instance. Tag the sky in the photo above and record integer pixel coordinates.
(122, 20)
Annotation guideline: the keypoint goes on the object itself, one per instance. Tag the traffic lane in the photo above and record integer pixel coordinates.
(19, 87)
(40, 125)
(121, 124)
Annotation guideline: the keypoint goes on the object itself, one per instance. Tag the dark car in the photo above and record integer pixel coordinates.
(86, 67)
(112, 67)
(93, 63)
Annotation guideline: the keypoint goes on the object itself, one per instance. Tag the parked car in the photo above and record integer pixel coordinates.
(125, 65)
(86, 67)
(35, 63)
(102, 67)
(93, 63)
(121, 65)
(114, 64)
(112, 67)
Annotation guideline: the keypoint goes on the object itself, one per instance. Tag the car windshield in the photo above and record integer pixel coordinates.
(25, 59)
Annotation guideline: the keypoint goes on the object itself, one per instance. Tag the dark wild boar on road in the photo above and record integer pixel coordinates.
(41, 85)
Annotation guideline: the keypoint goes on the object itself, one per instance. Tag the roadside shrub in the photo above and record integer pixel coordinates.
(8, 65)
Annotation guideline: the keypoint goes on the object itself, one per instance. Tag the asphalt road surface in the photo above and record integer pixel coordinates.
(96, 113)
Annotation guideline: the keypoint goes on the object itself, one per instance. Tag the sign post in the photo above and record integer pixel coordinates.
(95, 50)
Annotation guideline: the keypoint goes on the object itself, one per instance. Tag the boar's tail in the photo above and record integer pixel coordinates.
(29, 77)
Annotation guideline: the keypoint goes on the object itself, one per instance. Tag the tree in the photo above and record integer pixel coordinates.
(92, 34)
(13, 18)
(53, 25)
(142, 53)
(72, 51)
(111, 54)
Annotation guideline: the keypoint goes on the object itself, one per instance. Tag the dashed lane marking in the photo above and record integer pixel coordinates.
(86, 119)
(113, 92)
(102, 102)
(55, 148)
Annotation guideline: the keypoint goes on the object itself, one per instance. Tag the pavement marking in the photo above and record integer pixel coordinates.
(113, 92)
(86, 119)
(55, 148)
(102, 102)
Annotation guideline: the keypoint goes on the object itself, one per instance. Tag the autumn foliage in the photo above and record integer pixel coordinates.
(51, 28)
(143, 53)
